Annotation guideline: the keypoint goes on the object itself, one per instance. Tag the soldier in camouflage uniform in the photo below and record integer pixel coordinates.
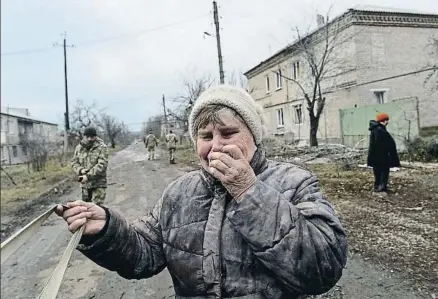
(151, 142)
(90, 162)
(171, 145)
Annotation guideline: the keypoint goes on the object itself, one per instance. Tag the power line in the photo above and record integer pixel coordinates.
(110, 38)
(27, 51)
(139, 33)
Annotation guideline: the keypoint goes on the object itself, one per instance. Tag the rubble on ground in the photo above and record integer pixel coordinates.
(325, 153)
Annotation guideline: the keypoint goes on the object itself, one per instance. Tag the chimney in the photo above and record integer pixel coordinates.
(320, 20)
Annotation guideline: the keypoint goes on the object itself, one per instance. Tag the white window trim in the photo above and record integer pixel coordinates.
(296, 116)
(292, 70)
(267, 86)
(385, 94)
(282, 117)
(277, 87)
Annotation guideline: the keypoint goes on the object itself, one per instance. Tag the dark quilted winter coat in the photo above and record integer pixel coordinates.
(382, 151)
(282, 240)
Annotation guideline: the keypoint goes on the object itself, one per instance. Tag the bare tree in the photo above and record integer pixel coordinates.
(111, 127)
(153, 125)
(184, 102)
(320, 52)
(37, 148)
(84, 115)
(125, 137)
(433, 75)
(239, 79)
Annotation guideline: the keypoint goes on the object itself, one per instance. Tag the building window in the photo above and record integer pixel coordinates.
(295, 70)
(14, 151)
(279, 79)
(280, 119)
(380, 96)
(298, 114)
(268, 85)
(24, 150)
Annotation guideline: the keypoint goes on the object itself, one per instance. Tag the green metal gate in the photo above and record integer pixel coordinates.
(403, 124)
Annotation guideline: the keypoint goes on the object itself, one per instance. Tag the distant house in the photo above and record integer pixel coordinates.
(17, 126)
(385, 55)
(177, 127)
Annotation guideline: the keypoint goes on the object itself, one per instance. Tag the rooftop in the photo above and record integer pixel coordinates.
(376, 8)
(27, 118)
(367, 10)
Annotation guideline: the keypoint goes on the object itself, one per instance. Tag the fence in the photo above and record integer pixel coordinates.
(403, 125)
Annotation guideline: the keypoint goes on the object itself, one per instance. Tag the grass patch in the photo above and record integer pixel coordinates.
(186, 155)
(118, 148)
(30, 183)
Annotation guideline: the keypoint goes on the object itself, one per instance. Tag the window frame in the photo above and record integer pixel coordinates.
(278, 80)
(383, 91)
(15, 151)
(295, 70)
(267, 84)
(296, 118)
(280, 116)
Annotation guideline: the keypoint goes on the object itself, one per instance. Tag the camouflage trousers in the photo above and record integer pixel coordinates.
(95, 195)
(172, 154)
(151, 152)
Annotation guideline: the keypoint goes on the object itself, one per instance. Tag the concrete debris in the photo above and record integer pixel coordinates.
(312, 155)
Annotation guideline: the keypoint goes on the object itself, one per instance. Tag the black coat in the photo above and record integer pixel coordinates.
(382, 150)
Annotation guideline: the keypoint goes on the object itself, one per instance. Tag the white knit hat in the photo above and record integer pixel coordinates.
(235, 98)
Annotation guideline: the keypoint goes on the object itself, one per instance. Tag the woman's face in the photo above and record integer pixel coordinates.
(215, 136)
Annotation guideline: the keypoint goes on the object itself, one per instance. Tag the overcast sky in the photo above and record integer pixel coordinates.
(128, 53)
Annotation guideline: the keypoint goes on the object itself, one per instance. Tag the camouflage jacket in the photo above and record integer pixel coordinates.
(150, 140)
(94, 160)
(171, 140)
(282, 240)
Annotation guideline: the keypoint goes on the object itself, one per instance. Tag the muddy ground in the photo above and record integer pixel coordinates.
(398, 232)
(17, 214)
(393, 241)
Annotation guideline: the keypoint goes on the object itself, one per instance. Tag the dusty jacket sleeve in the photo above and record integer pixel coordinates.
(134, 250)
(100, 167)
(75, 165)
(295, 234)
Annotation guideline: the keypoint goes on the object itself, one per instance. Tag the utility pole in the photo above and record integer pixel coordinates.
(165, 115)
(66, 114)
(218, 41)
(164, 108)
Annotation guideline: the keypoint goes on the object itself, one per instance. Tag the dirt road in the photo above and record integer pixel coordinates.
(138, 183)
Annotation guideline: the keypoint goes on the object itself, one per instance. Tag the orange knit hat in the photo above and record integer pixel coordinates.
(382, 117)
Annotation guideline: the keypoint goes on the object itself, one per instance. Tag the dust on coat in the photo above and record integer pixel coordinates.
(382, 148)
(93, 159)
(282, 240)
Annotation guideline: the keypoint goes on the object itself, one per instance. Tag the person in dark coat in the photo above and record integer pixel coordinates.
(241, 226)
(382, 154)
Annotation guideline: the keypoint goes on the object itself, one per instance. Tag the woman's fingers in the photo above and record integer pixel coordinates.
(217, 174)
(74, 211)
(226, 159)
(74, 226)
(233, 151)
(78, 203)
(219, 165)
(84, 215)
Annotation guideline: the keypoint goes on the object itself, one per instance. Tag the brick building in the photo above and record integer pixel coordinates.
(383, 58)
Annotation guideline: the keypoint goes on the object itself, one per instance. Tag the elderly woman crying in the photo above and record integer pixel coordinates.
(241, 226)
